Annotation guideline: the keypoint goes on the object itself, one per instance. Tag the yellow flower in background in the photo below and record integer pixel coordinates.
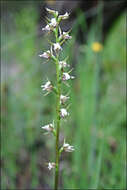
(50, 2)
(97, 47)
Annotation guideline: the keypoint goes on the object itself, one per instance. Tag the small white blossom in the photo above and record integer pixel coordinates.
(67, 147)
(63, 99)
(65, 16)
(53, 22)
(51, 11)
(65, 35)
(46, 54)
(63, 64)
(51, 25)
(66, 76)
(49, 127)
(46, 28)
(51, 165)
(47, 86)
(63, 113)
(57, 47)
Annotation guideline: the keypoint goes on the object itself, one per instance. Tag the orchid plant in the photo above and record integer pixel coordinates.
(62, 76)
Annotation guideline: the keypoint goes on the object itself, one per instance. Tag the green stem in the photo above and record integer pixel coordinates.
(58, 118)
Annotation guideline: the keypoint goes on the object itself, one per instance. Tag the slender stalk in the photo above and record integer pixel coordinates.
(61, 75)
(58, 118)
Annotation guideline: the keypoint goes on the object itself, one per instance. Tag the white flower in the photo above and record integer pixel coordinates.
(51, 165)
(49, 127)
(63, 113)
(46, 28)
(65, 16)
(53, 22)
(51, 11)
(51, 25)
(67, 147)
(63, 99)
(66, 35)
(47, 86)
(66, 76)
(57, 47)
(63, 64)
(46, 54)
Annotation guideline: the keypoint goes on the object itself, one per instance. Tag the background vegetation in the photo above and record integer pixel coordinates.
(96, 126)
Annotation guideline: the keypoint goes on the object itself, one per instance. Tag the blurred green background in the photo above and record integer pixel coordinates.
(97, 122)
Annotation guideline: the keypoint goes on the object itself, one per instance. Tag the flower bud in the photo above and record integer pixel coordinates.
(63, 17)
(51, 11)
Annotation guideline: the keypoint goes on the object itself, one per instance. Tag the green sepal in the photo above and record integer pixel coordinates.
(62, 41)
(55, 90)
(47, 20)
(50, 42)
(54, 58)
(54, 132)
(61, 150)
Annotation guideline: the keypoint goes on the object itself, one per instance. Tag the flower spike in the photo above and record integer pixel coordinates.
(53, 25)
